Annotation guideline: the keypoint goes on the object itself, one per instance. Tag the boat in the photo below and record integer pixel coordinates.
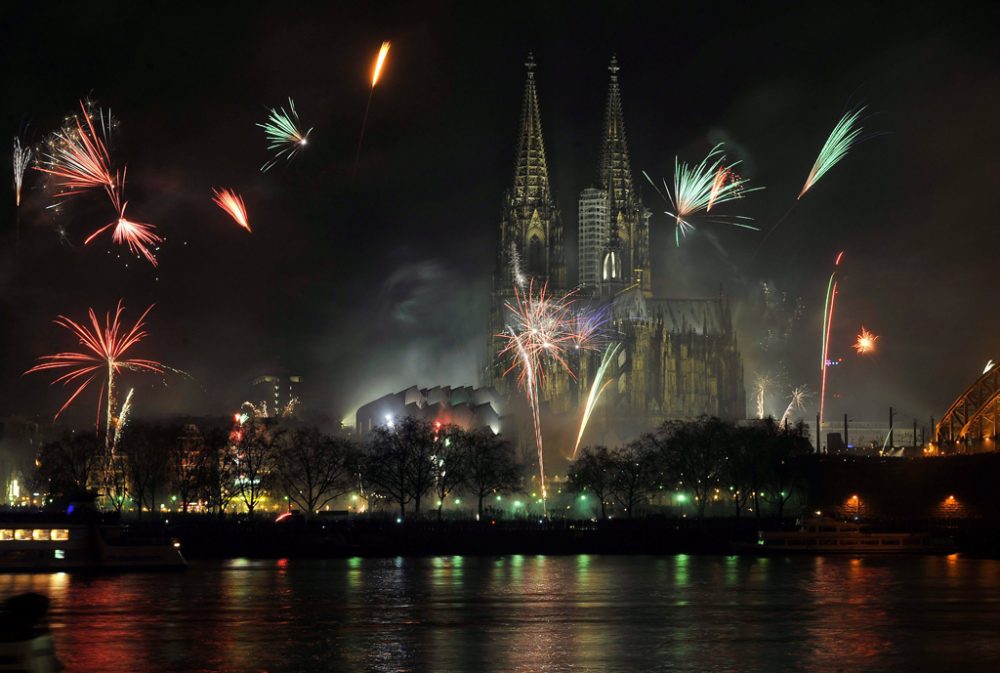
(64, 545)
(826, 535)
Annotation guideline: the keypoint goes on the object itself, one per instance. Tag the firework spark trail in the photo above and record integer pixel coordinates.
(865, 342)
(122, 420)
(514, 256)
(596, 389)
(843, 137)
(761, 386)
(831, 296)
(104, 350)
(796, 403)
(22, 158)
(840, 141)
(722, 175)
(283, 134)
(79, 159)
(700, 187)
(383, 52)
(989, 365)
(232, 203)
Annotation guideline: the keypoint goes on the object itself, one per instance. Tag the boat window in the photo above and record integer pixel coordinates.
(40, 534)
(60, 534)
(22, 534)
(6, 534)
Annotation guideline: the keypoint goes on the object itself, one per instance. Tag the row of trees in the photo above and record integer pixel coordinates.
(406, 463)
(403, 464)
(215, 467)
(746, 464)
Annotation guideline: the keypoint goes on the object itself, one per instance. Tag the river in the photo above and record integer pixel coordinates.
(532, 613)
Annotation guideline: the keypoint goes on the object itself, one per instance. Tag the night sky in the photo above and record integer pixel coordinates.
(366, 285)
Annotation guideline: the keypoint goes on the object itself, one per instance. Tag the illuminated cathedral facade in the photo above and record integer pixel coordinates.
(678, 358)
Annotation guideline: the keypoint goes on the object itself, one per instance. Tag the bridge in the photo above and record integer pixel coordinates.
(971, 421)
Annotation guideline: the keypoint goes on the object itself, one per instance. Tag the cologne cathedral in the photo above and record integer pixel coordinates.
(678, 357)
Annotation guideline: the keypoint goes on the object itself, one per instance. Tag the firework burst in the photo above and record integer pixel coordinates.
(795, 403)
(698, 188)
(283, 135)
(138, 236)
(865, 342)
(232, 203)
(542, 327)
(845, 134)
(22, 159)
(78, 157)
(103, 357)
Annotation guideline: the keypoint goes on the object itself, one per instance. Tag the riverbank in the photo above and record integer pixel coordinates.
(214, 539)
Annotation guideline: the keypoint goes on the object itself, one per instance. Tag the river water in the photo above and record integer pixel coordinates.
(532, 613)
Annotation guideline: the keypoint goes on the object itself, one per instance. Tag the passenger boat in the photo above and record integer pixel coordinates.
(39, 546)
(824, 535)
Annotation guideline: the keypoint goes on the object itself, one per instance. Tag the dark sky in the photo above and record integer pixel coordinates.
(367, 285)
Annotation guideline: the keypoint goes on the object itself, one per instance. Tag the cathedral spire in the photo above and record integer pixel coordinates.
(531, 171)
(616, 169)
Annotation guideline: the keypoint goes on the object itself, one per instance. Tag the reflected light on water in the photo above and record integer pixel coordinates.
(529, 613)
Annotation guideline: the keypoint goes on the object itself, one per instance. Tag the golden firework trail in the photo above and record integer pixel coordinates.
(596, 389)
(380, 62)
(383, 53)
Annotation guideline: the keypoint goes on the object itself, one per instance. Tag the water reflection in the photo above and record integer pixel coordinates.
(531, 613)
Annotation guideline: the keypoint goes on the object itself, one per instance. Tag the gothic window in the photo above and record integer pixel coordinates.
(612, 267)
(536, 257)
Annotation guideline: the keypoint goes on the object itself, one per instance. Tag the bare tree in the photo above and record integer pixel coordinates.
(593, 471)
(315, 468)
(491, 465)
(252, 461)
(693, 452)
(634, 472)
(218, 487)
(147, 452)
(398, 461)
(71, 465)
(449, 463)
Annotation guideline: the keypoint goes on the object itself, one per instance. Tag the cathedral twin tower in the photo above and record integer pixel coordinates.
(678, 357)
(613, 225)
